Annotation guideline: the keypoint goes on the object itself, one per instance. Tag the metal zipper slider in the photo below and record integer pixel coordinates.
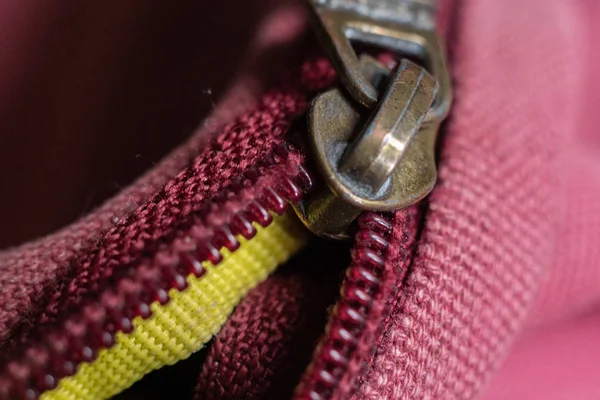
(387, 162)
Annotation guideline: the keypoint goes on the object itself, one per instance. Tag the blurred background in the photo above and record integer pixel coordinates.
(93, 93)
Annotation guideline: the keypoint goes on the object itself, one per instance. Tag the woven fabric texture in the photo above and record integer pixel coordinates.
(157, 221)
(510, 237)
(264, 347)
(500, 219)
(30, 274)
(171, 210)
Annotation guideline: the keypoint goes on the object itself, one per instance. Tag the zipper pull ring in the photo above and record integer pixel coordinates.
(405, 27)
(387, 163)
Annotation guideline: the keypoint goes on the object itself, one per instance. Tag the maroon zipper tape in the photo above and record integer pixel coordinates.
(115, 280)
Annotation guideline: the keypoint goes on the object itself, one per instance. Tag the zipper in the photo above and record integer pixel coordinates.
(348, 318)
(384, 164)
(397, 141)
(206, 243)
(388, 162)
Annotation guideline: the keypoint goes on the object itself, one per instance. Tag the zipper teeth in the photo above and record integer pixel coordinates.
(347, 321)
(57, 353)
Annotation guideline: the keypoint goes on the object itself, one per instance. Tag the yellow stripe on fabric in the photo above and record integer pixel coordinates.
(189, 320)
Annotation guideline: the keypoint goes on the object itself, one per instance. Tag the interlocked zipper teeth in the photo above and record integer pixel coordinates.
(79, 339)
(347, 322)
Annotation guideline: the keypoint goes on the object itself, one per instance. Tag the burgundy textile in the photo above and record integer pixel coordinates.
(240, 163)
(510, 241)
(30, 275)
(251, 358)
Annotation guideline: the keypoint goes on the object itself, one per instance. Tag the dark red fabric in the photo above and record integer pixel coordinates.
(511, 231)
(251, 358)
(36, 277)
(157, 221)
(157, 227)
(261, 336)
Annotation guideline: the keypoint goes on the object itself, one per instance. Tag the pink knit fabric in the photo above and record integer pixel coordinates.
(514, 215)
(556, 363)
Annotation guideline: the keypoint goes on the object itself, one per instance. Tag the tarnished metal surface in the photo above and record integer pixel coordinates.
(414, 12)
(333, 121)
(370, 159)
(402, 26)
(385, 162)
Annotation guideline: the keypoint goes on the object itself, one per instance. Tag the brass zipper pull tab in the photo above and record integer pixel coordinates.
(388, 162)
